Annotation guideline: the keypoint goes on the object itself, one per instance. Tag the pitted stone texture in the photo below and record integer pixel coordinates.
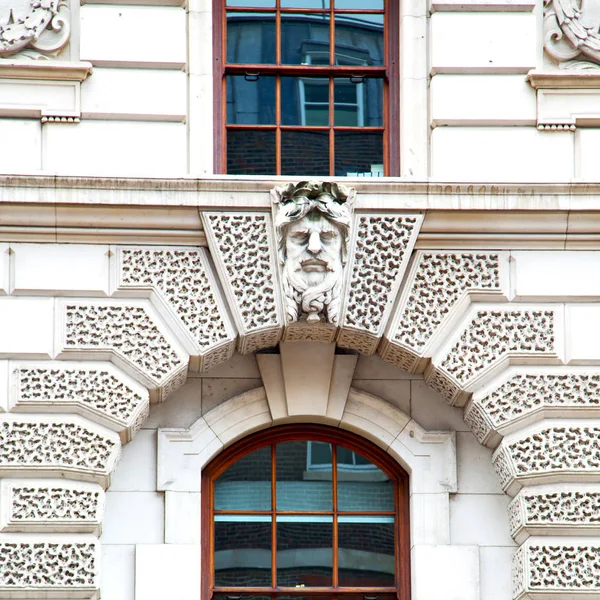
(32, 506)
(554, 453)
(48, 567)
(562, 568)
(382, 247)
(241, 247)
(182, 278)
(438, 282)
(558, 511)
(489, 336)
(129, 331)
(62, 448)
(525, 393)
(101, 394)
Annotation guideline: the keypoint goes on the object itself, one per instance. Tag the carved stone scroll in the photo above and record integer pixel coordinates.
(242, 248)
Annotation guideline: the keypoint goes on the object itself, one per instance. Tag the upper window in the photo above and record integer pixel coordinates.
(305, 87)
(299, 513)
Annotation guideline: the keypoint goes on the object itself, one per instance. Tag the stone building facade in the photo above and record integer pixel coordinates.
(148, 323)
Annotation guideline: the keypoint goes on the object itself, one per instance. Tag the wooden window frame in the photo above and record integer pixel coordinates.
(322, 433)
(389, 72)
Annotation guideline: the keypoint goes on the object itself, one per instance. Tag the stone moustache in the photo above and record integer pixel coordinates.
(312, 226)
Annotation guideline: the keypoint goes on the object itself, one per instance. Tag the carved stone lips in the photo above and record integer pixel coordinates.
(314, 265)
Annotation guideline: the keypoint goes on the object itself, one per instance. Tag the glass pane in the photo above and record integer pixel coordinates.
(361, 484)
(251, 3)
(366, 551)
(358, 104)
(359, 39)
(246, 485)
(250, 152)
(359, 154)
(359, 4)
(304, 3)
(250, 38)
(304, 551)
(301, 487)
(305, 101)
(305, 153)
(305, 39)
(250, 102)
(242, 551)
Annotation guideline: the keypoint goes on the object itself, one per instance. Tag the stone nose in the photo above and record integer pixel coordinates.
(314, 242)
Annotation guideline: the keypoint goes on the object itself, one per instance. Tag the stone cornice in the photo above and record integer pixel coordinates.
(165, 211)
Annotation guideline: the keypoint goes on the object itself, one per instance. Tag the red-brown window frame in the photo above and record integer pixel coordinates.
(390, 72)
(323, 433)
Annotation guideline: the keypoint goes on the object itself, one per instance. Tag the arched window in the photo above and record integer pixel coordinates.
(306, 87)
(305, 512)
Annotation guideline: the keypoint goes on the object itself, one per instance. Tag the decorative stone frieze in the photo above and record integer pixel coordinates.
(100, 392)
(381, 251)
(439, 287)
(42, 27)
(525, 396)
(556, 568)
(56, 567)
(45, 505)
(181, 282)
(487, 338)
(127, 332)
(571, 33)
(555, 510)
(553, 451)
(50, 446)
(242, 248)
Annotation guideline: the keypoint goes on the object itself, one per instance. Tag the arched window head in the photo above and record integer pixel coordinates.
(305, 512)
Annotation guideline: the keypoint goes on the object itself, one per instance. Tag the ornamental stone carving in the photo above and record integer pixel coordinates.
(557, 568)
(48, 568)
(34, 28)
(526, 396)
(44, 506)
(182, 281)
(103, 394)
(561, 452)
(312, 227)
(555, 511)
(439, 287)
(243, 250)
(55, 447)
(571, 33)
(381, 251)
(490, 335)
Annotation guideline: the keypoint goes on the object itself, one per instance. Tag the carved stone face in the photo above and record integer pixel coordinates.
(313, 247)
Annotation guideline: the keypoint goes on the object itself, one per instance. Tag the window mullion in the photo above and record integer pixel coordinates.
(273, 514)
(335, 513)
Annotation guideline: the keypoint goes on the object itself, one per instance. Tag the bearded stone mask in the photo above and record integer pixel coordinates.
(312, 225)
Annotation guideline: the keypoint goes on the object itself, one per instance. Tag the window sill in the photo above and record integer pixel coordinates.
(52, 89)
(566, 100)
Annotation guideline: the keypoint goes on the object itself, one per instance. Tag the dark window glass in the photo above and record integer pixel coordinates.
(251, 38)
(305, 152)
(251, 151)
(250, 101)
(305, 38)
(359, 154)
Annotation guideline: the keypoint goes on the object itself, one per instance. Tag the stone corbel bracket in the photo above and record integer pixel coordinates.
(488, 339)
(243, 250)
(557, 567)
(379, 255)
(50, 566)
(99, 392)
(553, 451)
(181, 285)
(439, 288)
(127, 332)
(57, 446)
(521, 396)
(50, 506)
(555, 510)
